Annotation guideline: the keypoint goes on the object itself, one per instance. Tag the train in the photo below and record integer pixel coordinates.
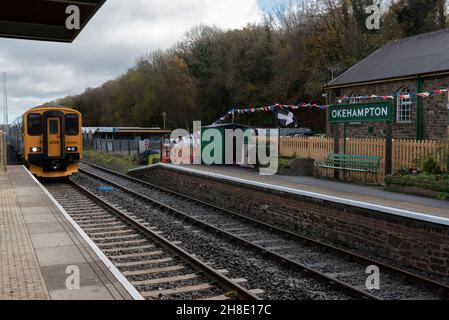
(48, 139)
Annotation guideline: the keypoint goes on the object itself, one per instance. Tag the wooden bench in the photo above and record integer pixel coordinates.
(352, 164)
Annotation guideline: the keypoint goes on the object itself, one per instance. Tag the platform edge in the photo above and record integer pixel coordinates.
(355, 203)
(113, 269)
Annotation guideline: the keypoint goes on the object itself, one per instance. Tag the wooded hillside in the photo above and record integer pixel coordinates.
(286, 59)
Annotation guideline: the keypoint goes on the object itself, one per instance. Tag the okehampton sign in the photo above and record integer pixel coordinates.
(363, 112)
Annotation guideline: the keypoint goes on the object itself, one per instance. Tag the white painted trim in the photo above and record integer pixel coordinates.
(360, 204)
(117, 274)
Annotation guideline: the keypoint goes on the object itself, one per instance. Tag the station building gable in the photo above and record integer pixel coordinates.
(422, 69)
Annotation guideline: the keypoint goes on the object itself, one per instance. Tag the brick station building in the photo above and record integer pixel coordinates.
(416, 64)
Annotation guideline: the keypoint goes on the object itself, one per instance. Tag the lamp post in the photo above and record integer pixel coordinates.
(164, 116)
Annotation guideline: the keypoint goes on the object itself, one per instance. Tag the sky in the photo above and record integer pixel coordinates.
(39, 72)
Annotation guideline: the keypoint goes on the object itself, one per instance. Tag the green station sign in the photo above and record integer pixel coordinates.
(363, 112)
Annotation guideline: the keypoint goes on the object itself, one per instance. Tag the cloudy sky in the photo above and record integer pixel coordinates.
(111, 42)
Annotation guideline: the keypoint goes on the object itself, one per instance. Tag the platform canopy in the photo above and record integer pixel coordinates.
(43, 19)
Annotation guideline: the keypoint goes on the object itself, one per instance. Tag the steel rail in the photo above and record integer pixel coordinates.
(268, 227)
(213, 275)
(261, 250)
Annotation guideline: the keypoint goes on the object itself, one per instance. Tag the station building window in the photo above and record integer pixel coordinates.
(404, 106)
(355, 98)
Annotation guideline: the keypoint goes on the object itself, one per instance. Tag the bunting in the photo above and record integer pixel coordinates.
(276, 107)
(425, 94)
(272, 108)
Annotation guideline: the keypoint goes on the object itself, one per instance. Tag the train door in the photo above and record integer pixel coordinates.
(54, 137)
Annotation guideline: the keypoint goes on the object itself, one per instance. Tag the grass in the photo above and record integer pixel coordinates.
(285, 163)
(112, 161)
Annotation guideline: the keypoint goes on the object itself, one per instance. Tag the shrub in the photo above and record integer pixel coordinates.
(403, 172)
(431, 166)
(443, 196)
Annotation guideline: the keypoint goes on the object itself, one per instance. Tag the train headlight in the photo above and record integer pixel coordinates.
(72, 149)
(35, 149)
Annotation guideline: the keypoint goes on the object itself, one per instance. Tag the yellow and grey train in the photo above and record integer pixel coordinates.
(49, 140)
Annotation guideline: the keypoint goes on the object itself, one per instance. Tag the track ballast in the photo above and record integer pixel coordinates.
(157, 268)
(341, 268)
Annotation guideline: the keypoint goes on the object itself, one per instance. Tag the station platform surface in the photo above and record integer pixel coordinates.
(38, 244)
(375, 195)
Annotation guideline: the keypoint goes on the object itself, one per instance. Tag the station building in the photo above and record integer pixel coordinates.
(412, 65)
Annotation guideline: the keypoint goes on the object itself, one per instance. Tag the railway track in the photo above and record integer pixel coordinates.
(330, 264)
(157, 268)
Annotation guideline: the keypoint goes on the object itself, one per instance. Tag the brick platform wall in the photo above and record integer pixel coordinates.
(435, 110)
(408, 242)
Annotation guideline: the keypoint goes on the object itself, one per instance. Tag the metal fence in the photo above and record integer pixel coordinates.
(122, 146)
(3, 152)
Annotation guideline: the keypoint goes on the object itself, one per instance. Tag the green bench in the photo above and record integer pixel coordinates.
(351, 164)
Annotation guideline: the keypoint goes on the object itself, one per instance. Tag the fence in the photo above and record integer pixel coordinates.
(3, 152)
(406, 153)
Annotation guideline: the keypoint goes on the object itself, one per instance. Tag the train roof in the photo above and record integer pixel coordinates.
(51, 108)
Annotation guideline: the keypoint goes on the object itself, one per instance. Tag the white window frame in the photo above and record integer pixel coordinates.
(404, 107)
(354, 99)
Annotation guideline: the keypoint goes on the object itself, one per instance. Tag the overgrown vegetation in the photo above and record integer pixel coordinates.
(112, 161)
(286, 59)
(430, 166)
(430, 177)
(439, 183)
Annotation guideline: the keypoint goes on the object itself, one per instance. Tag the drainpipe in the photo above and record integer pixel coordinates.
(419, 111)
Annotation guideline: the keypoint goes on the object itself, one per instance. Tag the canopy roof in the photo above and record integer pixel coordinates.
(43, 19)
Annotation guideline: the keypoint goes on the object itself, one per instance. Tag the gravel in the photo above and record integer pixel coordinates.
(299, 251)
(278, 282)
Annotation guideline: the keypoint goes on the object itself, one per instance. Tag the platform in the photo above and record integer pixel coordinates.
(38, 243)
(362, 195)
(413, 232)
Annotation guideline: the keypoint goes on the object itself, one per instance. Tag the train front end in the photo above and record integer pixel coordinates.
(52, 141)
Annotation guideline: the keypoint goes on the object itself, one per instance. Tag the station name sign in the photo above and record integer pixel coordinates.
(363, 112)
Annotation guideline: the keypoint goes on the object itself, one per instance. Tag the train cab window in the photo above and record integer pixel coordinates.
(72, 125)
(34, 124)
(54, 127)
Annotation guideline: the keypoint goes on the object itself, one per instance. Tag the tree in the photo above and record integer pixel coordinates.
(286, 58)
(418, 16)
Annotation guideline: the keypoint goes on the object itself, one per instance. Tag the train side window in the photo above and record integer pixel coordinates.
(72, 125)
(34, 124)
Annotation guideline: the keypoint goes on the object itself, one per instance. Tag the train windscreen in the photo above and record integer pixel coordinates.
(34, 124)
(72, 124)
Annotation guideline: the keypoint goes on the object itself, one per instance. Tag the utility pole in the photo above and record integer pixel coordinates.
(164, 116)
(5, 99)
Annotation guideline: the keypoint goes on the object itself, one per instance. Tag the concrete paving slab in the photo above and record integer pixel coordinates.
(50, 240)
(33, 211)
(45, 227)
(59, 255)
(38, 243)
(84, 294)
(56, 276)
(39, 218)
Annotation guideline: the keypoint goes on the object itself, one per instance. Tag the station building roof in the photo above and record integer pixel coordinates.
(423, 55)
(43, 19)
